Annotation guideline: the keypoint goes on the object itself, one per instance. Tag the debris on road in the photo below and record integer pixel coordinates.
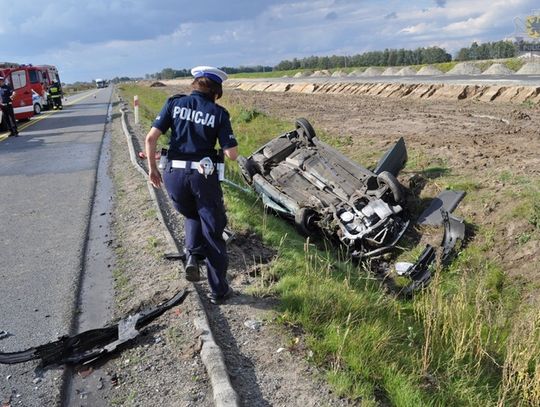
(253, 324)
(84, 373)
(93, 344)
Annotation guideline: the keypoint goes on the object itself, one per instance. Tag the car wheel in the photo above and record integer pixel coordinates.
(304, 220)
(307, 129)
(37, 108)
(249, 167)
(386, 179)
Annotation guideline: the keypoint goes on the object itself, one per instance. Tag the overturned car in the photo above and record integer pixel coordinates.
(304, 179)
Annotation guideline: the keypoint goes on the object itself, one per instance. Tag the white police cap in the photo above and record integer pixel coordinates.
(217, 75)
(1, 78)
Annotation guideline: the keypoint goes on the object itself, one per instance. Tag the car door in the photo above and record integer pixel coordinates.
(22, 103)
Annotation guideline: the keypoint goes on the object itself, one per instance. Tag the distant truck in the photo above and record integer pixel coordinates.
(101, 83)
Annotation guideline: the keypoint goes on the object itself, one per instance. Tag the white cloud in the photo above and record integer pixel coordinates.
(105, 38)
(417, 29)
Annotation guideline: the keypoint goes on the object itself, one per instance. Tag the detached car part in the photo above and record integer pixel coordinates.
(95, 343)
(447, 200)
(312, 184)
(420, 273)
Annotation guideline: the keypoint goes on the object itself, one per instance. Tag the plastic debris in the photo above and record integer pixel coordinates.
(253, 324)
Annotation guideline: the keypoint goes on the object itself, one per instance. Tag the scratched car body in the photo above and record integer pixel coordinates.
(307, 181)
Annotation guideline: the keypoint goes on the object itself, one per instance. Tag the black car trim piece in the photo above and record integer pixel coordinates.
(420, 272)
(454, 230)
(93, 344)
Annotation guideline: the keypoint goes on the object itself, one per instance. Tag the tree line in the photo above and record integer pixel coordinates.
(388, 57)
(487, 50)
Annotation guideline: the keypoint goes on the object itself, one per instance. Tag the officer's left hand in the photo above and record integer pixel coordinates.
(155, 178)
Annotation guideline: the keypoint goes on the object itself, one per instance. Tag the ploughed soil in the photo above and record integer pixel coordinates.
(491, 149)
(488, 149)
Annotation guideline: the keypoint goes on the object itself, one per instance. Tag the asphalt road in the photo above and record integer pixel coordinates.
(47, 180)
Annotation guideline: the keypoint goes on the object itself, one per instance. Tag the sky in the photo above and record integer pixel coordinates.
(108, 38)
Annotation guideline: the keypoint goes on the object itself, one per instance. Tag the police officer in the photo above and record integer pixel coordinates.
(191, 175)
(6, 104)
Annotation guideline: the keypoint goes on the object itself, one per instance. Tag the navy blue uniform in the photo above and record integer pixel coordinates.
(7, 108)
(197, 124)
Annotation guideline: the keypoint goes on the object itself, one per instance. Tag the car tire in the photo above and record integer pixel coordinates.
(37, 108)
(307, 129)
(386, 178)
(250, 167)
(304, 221)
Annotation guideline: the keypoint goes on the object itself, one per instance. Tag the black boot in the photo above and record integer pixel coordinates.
(220, 299)
(193, 273)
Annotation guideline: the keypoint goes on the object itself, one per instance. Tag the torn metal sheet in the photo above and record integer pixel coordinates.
(393, 160)
(447, 200)
(95, 343)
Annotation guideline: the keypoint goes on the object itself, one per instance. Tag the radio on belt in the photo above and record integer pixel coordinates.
(163, 159)
(206, 167)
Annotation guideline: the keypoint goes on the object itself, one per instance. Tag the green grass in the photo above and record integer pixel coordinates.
(527, 198)
(467, 340)
(514, 64)
(150, 103)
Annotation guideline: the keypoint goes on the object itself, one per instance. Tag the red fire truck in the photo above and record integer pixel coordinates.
(30, 84)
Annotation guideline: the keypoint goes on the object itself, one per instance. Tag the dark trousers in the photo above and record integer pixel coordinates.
(9, 116)
(57, 101)
(200, 200)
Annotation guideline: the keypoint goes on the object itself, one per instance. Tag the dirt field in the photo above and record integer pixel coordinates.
(489, 149)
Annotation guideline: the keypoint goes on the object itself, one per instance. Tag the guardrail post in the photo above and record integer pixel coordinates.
(136, 108)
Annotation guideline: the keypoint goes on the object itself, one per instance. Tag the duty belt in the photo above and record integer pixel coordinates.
(183, 164)
(195, 165)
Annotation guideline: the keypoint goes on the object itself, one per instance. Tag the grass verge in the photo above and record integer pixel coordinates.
(467, 340)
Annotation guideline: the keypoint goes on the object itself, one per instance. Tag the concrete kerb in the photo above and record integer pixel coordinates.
(211, 355)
